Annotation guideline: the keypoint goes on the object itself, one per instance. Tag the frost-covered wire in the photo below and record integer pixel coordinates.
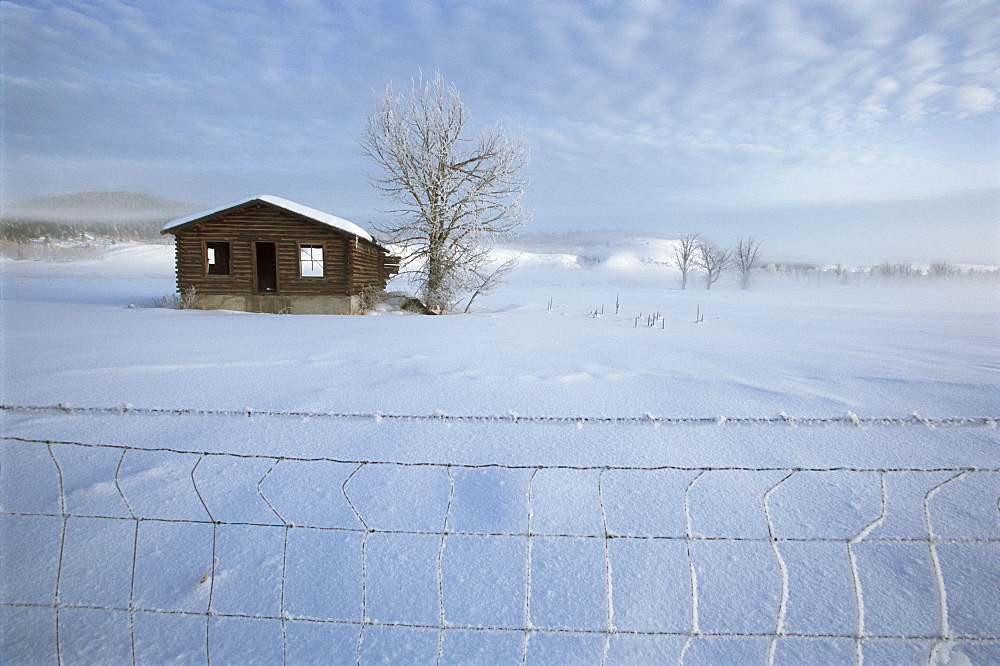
(782, 419)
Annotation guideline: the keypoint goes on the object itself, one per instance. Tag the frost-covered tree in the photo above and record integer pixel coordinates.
(713, 260)
(685, 254)
(942, 269)
(746, 259)
(455, 195)
(883, 270)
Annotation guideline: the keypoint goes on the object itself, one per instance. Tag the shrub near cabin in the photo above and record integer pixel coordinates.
(267, 254)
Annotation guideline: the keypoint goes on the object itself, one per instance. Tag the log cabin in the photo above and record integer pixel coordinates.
(268, 254)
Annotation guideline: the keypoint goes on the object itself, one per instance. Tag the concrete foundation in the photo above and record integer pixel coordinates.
(279, 304)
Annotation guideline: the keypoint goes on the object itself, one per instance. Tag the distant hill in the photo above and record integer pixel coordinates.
(116, 215)
(97, 206)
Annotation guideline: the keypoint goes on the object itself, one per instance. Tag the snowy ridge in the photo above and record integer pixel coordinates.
(222, 525)
(619, 255)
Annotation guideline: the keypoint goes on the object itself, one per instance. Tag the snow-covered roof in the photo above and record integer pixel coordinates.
(320, 217)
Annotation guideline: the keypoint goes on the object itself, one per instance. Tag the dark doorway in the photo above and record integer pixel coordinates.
(266, 268)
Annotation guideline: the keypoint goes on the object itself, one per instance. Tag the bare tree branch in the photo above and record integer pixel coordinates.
(489, 281)
(746, 259)
(713, 260)
(684, 253)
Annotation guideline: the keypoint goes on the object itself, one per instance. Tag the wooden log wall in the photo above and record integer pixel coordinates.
(349, 262)
(368, 267)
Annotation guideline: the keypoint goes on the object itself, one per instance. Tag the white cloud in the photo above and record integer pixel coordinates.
(924, 56)
(974, 99)
(884, 86)
(791, 35)
(877, 23)
(916, 103)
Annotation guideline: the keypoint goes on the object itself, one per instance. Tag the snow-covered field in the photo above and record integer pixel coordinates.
(811, 474)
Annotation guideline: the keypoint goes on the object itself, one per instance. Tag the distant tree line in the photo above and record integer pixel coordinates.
(49, 251)
(29, 231)
(694, 254)
(883, 271)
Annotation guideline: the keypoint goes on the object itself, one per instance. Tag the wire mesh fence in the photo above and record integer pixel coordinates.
(129, 555)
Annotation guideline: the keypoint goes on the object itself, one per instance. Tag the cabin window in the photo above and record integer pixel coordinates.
(217, 258)
(311, 260)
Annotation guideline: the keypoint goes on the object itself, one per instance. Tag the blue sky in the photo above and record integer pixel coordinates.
(853, 130)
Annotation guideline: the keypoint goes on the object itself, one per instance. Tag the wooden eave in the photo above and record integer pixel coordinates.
(218, 213)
